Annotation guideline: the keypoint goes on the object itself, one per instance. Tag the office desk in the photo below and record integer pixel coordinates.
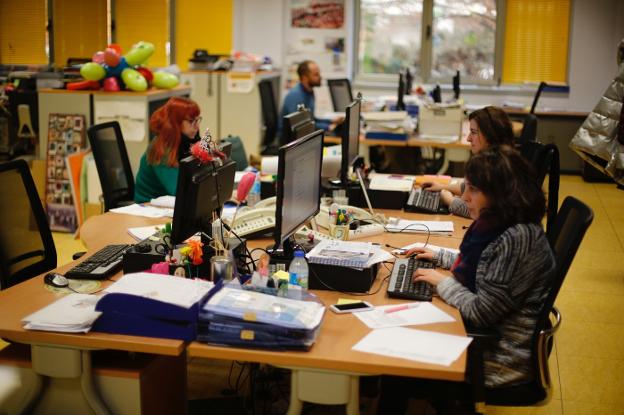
(456, 151)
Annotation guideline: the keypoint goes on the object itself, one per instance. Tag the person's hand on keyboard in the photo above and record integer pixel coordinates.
(431, 276)
(421, 253)
(432, 187)
(446, 197)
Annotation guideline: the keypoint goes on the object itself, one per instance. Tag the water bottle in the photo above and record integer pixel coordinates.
(299, 271)
(254, 193)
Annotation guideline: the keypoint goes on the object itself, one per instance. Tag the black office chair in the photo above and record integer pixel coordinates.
(26, 245)
(270, 117)
(341, 94)
(545, 160)
(564, 236)
(529, 129)
(113, 164)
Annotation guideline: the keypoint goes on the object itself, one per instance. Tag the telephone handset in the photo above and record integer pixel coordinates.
(322, 219)
(256, 221)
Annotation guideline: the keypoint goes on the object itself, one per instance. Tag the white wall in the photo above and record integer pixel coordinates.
(596, 29)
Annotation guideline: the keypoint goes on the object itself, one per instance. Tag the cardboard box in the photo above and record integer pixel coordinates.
(440, 122)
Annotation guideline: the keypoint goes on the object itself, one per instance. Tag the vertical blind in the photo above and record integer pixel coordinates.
(23, 32)
(79, 29)
(536, 41)
(202, 24)
(143, 20)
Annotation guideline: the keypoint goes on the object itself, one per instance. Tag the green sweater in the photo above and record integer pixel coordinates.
(154, 180)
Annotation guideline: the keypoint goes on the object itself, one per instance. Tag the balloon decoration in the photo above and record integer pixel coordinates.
(118, 72)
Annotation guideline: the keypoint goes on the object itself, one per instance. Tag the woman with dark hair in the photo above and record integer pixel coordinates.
(489, 126)
(177, 125)
(500, 277)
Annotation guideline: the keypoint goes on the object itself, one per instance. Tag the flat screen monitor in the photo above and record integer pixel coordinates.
(298, 187)
(401, 93)
(456, 85)
(350, 139)
(202, 190)
(295, 125)
(340, 91)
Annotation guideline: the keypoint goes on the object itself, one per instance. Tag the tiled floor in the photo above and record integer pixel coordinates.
(588, 359)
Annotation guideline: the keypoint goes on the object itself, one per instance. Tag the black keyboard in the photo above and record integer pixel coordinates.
(424, 201)
(101, 265)
(401, 284)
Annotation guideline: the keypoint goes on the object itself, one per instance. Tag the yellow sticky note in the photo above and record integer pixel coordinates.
(282, 275)
(347, 301)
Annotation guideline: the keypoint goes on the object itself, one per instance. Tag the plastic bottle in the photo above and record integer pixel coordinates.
(299, 271)
(254, 193)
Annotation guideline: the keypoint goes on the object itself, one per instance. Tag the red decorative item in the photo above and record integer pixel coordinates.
(147, 74)
(205, 155)
(111, 84)
(196, 252)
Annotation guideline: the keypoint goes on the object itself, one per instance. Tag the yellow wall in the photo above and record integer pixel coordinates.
(79, 29)
(23, 32)
(146, 20)
(536, 41)
(203, 24)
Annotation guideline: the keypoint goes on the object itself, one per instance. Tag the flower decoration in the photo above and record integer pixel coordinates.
(205, 150)
(195, 253)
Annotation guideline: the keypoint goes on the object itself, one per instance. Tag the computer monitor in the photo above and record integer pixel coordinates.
(401, 93)
(350, 140)
(340, 91)
(202, 190)
(298, 188)
(456, 84)
(296, 125)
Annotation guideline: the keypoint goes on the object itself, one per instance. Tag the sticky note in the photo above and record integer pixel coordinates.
(347, 301)
(282, 275)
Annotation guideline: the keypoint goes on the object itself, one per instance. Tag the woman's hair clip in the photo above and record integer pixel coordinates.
(206, 151)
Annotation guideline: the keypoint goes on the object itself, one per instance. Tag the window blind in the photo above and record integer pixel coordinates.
(23, 32)
(536, 41)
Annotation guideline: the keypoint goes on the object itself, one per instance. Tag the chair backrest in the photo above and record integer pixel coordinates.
(529, 128)
(237, 153)
(113, 164)
(341, 94)
(565, 236)
(545, 161)
(26, 244)
(269, 111)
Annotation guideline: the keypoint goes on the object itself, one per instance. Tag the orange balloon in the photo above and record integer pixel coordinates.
(115, 47)
(111, 57)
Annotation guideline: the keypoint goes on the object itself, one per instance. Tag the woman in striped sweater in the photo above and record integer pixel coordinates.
(502, 273)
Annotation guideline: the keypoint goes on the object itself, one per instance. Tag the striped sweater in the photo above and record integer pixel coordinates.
(512, 280)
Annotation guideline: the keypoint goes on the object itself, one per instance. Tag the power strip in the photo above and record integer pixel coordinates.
(366, 230)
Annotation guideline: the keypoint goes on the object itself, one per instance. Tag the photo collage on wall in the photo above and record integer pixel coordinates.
(66, 135)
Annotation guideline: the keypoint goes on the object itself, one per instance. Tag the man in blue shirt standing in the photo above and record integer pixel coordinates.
(302, 93)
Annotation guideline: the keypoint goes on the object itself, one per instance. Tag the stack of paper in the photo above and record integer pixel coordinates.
(141, 233)
(341, 253)
(393, 182)
(73, 313)
(164, 201)
(147, 211)
(387, 124)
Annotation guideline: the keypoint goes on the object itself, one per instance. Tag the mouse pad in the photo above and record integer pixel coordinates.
(81, 286)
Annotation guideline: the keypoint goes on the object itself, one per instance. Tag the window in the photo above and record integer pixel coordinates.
(436, 38)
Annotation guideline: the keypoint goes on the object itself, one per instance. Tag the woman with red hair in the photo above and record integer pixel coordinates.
(176, 125)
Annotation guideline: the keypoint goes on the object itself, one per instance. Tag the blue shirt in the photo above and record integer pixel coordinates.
(297, 95)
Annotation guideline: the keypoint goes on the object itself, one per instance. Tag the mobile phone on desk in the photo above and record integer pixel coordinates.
(351, 307)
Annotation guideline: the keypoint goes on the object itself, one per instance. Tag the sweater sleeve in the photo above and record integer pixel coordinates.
(495, 295)
(458, 207)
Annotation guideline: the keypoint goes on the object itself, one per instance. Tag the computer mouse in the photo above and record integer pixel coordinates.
(56, 280)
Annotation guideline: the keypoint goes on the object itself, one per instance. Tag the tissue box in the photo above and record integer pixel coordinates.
(440, 121)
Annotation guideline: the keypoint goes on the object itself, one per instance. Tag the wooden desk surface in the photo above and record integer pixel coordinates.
(332, 350)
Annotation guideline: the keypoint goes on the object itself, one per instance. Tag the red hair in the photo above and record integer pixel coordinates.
(166, 123)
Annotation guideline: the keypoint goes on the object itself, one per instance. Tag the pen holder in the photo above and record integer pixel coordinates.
(339, 231)
(221, 267)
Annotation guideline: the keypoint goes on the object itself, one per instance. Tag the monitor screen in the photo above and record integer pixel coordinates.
(350, 139)
(340, 91)
(298, 185)
(295, 124)
(202, 190)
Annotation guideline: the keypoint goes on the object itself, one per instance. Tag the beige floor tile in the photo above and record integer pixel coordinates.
(607, 280)
(552, 408)
(592, 380)
(66, 246)
(597, 259)
(592, 340)
(586, 408)
(601, 236)
(591, 308)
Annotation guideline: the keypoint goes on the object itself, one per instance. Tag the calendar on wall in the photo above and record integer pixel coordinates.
(66, 135)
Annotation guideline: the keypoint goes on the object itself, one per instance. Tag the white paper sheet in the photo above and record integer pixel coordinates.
(166, 201)
(395, 182)
(420, 226)
(130, 115)
(147, 211)
(173, 290)
(141, 233)
(424, 313)
(72, 313)
(411, 344)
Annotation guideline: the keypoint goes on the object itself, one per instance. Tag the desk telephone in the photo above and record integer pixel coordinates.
(255, 221)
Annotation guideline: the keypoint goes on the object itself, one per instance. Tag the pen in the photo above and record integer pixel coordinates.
(401, 307)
